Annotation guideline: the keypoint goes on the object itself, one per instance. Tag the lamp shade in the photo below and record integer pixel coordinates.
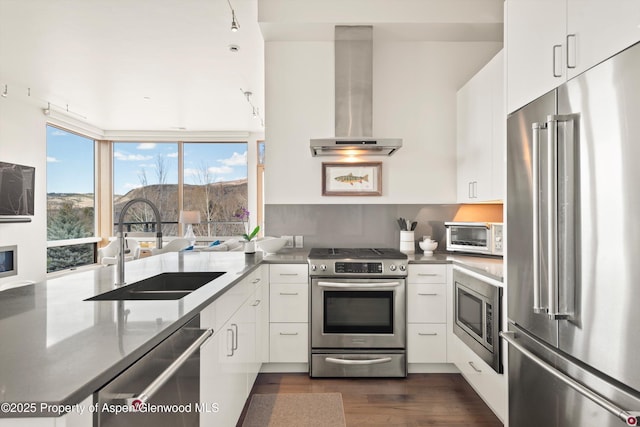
(189, 217)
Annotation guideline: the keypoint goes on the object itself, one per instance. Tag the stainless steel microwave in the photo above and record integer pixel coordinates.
(475, 237)
(477, 316)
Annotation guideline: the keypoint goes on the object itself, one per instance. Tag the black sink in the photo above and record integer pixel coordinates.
(164, 286)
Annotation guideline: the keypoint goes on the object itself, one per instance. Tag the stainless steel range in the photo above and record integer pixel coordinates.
(358, 312)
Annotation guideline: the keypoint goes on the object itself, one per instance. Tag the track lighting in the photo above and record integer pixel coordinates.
(255, 111)
(235, 25)
(5, 92)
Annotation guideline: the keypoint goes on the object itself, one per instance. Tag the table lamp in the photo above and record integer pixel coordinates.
(189, 218)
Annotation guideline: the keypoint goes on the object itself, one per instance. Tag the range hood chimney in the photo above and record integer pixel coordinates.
(354, 98)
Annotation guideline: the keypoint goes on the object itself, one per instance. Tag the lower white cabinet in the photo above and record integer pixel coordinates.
(427, 342)
(491, 386)
(289, 342)
(289, 313)
(231, 359)
(428, 319)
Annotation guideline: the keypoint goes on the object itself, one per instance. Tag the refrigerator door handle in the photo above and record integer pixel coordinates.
(554, 250)
(628, 417)
(537, 292)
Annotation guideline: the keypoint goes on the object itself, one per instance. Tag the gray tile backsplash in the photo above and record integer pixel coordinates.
(356, 225)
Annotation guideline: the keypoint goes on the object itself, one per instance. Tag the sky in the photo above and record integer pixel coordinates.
(70, 162)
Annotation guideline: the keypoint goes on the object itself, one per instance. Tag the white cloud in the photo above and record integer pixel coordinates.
(173, 155)
(146, 146)
(130, 157)
(235, 160)
(52, 160)
(59, 132)
(214, 170)
(191, 172)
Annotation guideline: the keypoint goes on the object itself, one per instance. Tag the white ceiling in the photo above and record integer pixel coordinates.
(104, 58)
(163, 65)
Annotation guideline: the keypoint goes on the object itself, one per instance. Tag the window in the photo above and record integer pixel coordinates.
(214, 177)
(70, 200)
(146, 170)
(215, 183)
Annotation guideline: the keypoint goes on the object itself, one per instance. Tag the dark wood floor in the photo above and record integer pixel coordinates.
(419, 400)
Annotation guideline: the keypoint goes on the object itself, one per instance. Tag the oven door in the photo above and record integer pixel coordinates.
(358, 313)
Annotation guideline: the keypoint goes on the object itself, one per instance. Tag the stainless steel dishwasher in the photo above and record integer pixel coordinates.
(162, 388)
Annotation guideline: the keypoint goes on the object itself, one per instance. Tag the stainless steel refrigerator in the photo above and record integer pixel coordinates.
(573, 251)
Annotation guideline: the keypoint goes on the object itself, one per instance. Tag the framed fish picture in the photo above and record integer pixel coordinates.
(352, 179)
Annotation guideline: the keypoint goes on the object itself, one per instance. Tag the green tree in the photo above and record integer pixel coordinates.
(68, 223)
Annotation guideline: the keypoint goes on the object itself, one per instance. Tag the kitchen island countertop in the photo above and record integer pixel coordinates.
(58, 348)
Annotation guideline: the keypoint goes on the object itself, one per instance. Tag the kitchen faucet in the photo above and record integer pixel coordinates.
(120, 265)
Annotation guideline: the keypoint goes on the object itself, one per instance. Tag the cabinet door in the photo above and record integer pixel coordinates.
(464, 159)
(535, 49)
(289, 302)
(289, 343)
(598, 29)
(427, 303)
(426, 343)
(499, 127)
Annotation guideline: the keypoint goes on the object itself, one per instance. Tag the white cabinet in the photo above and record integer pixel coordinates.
(550, 41)
(481, 135)
(231, 359)
(289, 313)
(427, 313)
(490, 385)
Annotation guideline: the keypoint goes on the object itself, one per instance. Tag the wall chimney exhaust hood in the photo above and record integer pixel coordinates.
(354, 99)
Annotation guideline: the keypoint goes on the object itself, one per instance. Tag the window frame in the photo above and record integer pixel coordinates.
(95, 239)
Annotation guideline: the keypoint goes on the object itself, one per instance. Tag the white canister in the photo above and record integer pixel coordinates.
(407, 242)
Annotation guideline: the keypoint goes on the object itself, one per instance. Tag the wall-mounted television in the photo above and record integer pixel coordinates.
(17, 183)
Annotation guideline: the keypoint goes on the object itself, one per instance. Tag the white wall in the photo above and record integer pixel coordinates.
(23, 141)
(414, 93)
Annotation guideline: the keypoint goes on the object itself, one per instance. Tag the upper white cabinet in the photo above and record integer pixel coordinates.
(481, 135)
(550, 41)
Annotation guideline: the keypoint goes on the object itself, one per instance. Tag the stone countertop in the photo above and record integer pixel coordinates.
(58, 348)
(489, 266)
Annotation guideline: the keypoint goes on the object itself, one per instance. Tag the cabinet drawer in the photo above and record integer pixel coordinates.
(426, 343)
(491, 386)
(436, 273)
(288, 273)
(255, 278)
(289, 302)
(289, 343)
(426, 303)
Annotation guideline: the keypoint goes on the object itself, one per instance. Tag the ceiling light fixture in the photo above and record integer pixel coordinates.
(235, 25)
(255, 111)
(5, 92)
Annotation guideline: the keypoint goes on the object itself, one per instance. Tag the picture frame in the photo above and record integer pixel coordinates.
(352, 179)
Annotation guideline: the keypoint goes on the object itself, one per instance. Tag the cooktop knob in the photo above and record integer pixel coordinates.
(403, 267)
(392, 267)
(323, 267)
(313, 267)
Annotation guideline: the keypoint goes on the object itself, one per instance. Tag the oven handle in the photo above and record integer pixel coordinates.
(357, 361)
(358, 285)
(151, 389)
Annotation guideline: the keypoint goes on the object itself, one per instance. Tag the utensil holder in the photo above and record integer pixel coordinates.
(407, 242)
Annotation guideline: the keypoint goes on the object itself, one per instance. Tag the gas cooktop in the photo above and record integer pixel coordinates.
(357, 262)
(356, 253)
